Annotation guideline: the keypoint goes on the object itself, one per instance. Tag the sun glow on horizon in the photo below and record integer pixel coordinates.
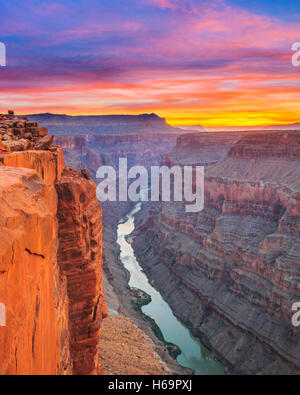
(191, 68)
(219, 120)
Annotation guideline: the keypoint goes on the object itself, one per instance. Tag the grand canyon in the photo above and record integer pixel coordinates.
(229, 273)
(149, 190)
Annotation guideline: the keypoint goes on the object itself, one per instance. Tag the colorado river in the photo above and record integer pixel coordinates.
(193, 354)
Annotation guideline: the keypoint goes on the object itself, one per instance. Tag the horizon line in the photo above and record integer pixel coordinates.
(169, 123)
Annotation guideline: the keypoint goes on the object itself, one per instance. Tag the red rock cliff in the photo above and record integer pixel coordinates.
(80, 256)
(50, 258)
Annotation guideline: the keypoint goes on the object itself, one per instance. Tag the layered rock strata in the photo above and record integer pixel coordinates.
(80, 257)
(92, 151)
(36, 337)
(231, 272)
(203, 148)
(50, 263)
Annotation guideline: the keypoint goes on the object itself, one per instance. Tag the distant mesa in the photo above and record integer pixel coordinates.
(61, 124)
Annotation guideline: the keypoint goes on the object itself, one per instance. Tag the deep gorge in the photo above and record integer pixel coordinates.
(230, 272)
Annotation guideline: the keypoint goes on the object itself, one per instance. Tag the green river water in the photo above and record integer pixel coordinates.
(193, 354)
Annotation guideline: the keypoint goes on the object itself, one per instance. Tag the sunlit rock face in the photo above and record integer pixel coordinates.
(231, 272)
(50, 261)
(80, 259)
(36, 337)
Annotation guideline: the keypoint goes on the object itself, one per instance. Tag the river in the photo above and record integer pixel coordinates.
(193, 355)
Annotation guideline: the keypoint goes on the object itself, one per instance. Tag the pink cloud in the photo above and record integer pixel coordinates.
(208, 60)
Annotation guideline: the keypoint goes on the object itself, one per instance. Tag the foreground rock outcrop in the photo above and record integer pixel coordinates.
(50, 262)
(19, 134)
(80, 257)
(231, 272)
(126, 350)
(36, 337)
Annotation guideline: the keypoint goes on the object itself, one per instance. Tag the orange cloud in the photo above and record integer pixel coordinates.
(215, 65)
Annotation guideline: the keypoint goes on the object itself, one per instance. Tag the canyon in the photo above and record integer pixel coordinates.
(91, 151)
(231, 272)
(51, 260)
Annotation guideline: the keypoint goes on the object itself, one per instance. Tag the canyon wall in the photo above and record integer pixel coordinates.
(50, 257)
(78, 155)
(80, 257)
(35, 339)
(140, 149)
(91, 151)
(201, 148)
(231, 272)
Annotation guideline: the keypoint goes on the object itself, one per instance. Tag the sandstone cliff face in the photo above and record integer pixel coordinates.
(80, 257)
(35, 339)
(231, 272)
(50, 264)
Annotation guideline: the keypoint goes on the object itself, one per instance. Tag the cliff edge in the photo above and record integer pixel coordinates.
(50, 257)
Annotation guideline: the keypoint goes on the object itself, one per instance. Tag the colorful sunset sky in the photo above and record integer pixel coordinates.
(215, 63)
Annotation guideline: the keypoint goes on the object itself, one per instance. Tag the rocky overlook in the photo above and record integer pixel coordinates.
(50, 257)
(18, 134)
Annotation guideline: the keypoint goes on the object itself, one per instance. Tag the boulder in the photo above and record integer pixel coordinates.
(45, 143)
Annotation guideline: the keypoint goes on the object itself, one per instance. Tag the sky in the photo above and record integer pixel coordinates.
(214, 63)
